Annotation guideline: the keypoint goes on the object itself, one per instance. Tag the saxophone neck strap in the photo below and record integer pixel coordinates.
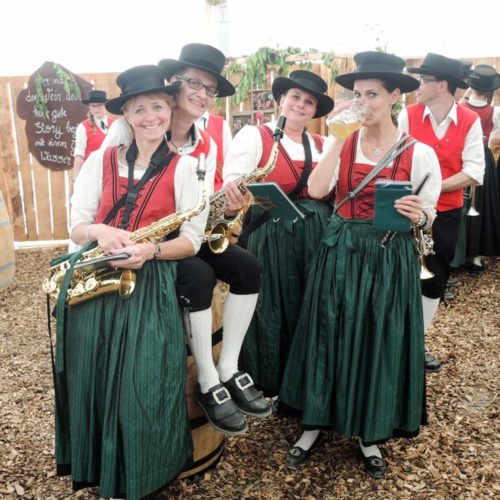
(306, 171)
(159, 161)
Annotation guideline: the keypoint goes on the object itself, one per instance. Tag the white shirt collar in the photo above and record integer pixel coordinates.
(451, 116)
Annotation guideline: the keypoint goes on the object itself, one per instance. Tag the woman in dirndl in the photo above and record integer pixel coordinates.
(121, 419)
(481, 233)
(356, 363)
(283, 248)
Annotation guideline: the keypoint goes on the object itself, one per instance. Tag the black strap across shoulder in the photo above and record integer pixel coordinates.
(306, 171)
(159, 161)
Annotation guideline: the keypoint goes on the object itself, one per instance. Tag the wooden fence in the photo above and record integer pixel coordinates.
(37, 198)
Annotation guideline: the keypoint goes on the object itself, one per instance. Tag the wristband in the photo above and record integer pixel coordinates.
(157, 251)
(422, 221)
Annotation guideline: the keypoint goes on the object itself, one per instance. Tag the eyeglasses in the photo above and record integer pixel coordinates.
(423, 80)
(197, 85)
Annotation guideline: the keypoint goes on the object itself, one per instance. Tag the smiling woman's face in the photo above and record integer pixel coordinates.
(148, 115)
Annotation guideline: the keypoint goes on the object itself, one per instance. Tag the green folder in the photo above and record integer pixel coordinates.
(270, 197)
(386, 217)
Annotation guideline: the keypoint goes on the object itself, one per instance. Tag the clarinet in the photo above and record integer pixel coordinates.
(389, 236)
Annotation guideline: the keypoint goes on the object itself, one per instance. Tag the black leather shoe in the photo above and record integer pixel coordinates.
(375, 466)
(249, 400)
(221, 411)
(475, 270)
(297, 456)
(432, 364)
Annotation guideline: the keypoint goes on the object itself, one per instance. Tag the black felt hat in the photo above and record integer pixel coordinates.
(484, 78)
(96, 96)
(309, 82)
(381, 66)
(200, 56)
(139, 80)
(443, 68)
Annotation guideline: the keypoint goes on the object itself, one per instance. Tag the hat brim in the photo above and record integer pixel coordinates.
(93, 101)
(282, 84)
(423, 70)
(476, 85)
(115, 105)
(405, 83)
(171, 67)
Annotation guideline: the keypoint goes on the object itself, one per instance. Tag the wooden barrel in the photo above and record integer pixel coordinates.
(7, 256)
(208, 443)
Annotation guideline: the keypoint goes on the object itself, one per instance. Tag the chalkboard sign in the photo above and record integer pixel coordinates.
(52, 108)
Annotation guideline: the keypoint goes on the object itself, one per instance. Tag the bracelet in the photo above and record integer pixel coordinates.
(422, 221)
(87, 231)
(157, 251)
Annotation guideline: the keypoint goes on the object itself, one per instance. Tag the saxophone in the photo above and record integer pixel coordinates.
(219, 232)
(93, 277)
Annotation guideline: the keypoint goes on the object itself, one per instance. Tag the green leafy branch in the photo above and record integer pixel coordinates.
(68, 81)
(253, 72)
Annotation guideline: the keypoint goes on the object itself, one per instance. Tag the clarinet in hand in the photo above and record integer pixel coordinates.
(390, 234)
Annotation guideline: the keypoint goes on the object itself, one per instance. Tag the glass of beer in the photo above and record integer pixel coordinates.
(343, 124)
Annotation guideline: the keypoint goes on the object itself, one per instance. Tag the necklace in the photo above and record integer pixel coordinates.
(180, 150)
(376, 151)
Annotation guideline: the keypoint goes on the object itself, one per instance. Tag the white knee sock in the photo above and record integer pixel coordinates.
(200, 342)
(370, 451)
(307, 439)
(430, 306)
(238, 312)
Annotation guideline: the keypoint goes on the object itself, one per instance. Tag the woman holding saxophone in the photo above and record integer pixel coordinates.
(224, 393)
(356, 363)
(120, 395)
(283, 248)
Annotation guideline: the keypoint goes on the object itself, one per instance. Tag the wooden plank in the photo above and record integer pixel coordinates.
(59, 213)
(42, 200)
(17, 85)
(12, 193)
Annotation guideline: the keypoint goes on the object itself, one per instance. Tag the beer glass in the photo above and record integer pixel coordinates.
(343, 124)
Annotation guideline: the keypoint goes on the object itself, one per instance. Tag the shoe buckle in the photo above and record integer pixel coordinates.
(225, 395)
(243, 381)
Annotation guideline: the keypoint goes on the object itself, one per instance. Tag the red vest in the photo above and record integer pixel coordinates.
(448, 149)
(486, 116)
(95, 137)
(155, 200)
(351, 174)
(287, 172)
(215, 129)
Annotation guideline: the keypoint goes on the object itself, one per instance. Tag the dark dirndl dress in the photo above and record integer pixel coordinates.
(356, 362)
(121, 419)
(480, 235)
(285, 250)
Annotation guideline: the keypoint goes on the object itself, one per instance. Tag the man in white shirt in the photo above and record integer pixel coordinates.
(455, 134)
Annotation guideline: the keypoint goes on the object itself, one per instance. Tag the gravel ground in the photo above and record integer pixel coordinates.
(456, 456)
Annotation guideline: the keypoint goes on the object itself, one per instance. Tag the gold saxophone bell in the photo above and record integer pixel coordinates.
(218, 238)
(472, 212)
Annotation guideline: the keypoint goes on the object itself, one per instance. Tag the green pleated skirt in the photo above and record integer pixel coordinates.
(356, 362)
(121, 411)
(285, 250)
